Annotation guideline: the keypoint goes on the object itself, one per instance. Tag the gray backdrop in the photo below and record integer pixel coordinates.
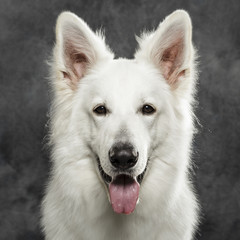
(26, 39)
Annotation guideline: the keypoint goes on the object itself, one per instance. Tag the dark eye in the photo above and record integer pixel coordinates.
(100, 110)
(148, 109)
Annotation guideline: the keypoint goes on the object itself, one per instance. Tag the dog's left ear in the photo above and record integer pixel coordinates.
(78, 49)
(170, 48)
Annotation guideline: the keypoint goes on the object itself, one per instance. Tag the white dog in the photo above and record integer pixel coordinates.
(121, 133)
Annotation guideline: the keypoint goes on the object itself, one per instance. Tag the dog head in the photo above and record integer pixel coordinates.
(123, 109)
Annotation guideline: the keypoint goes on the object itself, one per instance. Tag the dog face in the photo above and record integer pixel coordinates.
(123, 110)
(125, 106)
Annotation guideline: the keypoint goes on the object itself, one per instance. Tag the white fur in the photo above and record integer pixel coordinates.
(76, 204)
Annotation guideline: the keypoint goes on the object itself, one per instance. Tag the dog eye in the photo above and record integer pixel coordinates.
(100, 110)
(148, 109)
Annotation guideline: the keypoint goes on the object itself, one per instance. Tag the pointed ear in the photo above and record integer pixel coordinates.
(77, 48)
(169, 48)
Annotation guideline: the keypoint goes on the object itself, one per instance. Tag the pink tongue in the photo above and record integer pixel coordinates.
(124, 192)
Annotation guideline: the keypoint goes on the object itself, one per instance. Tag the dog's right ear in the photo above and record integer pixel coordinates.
(170, 49)
(77, 49)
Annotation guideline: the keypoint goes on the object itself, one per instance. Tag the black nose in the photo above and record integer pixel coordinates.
(123, 156)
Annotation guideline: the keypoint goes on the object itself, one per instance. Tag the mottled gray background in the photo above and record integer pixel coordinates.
(26, 39)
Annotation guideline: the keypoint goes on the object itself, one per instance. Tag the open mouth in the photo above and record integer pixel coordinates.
(123, 190)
